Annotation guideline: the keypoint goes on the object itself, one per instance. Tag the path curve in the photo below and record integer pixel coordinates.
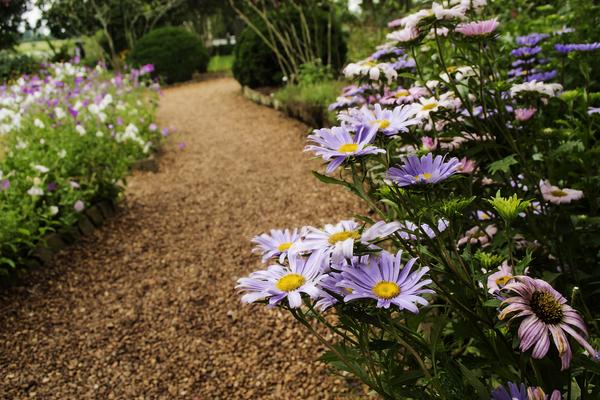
(144, 307)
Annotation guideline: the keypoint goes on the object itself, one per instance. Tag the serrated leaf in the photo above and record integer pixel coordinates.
(502, 165)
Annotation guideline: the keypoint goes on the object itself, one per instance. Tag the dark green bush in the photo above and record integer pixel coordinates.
(13, 65)
(175, 53)
(255, 63)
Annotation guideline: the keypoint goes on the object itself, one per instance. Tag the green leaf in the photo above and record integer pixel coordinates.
(502, 165)
(493, 303)
(330, 180)
(473, 381)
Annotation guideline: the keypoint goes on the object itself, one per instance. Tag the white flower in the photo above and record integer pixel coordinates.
(35, 191)
(59, 112)
(80, 129)
(53, 210)
(99, 134)
(62, 153)
(413, 20)
(38, 123)
(41, 169)
(370, 69)
(404, 35)
(448, 13)
(548, 89)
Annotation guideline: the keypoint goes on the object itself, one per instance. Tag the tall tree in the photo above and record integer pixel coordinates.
(11, 17)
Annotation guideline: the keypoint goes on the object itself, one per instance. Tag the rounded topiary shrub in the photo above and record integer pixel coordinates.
(256, 65)
(175, 53)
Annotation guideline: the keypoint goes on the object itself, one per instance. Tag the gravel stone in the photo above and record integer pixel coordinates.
(144, 307)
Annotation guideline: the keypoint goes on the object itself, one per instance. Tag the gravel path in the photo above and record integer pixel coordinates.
(144, 308)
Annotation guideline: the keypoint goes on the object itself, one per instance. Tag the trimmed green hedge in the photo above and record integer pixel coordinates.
(175, 53)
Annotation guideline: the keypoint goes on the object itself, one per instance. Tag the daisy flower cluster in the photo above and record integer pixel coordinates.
(483, 157)
(338, 263)
(68, 134)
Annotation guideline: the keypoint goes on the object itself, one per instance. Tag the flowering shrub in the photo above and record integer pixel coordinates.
(475, 274)
(68, 137)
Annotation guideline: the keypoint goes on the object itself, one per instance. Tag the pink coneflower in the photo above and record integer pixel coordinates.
(477, 28)
(556, 195)
(524, 114)
(546, 314)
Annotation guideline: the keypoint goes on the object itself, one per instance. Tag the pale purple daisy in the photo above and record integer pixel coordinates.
(568, 48)
(388, 122)
(546, 315)
(276, 244)
(336, 145)
(279, 282)
(424, 170)
(411, 231)
(514, 392)
(338, 240)
(403, 96)
(557, 195)
(500, 278)
(477, 28)
(329, 286)
(388, 281)
(520, 392)
(593, 110)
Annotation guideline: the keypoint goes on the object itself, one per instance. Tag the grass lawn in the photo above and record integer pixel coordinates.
(39, 47)
(220, 63)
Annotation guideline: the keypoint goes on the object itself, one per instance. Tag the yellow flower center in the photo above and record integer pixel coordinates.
(383, 123)
(386, 290)
(451, 69)
(402, 93)
(429, 106)
(558, 193)
(348, 148)
(284, 246)
(290, 282)
(546, 307)
(423, 177)
(370, 63)
(503, 280)
(344, 235)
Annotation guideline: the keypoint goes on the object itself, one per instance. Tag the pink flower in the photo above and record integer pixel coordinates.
(556, 195)
(545, 318)
(476, 235)
(466, 166)
(500, 278)
(407, 34)
(429, 143)
(79, 206)
(477, 28)
(523, 114)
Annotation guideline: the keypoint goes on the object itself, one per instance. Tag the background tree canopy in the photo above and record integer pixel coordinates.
(11, 12)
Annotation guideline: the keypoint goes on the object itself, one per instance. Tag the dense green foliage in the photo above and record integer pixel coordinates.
(13, 65)
(175, 53)
(255, 62)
